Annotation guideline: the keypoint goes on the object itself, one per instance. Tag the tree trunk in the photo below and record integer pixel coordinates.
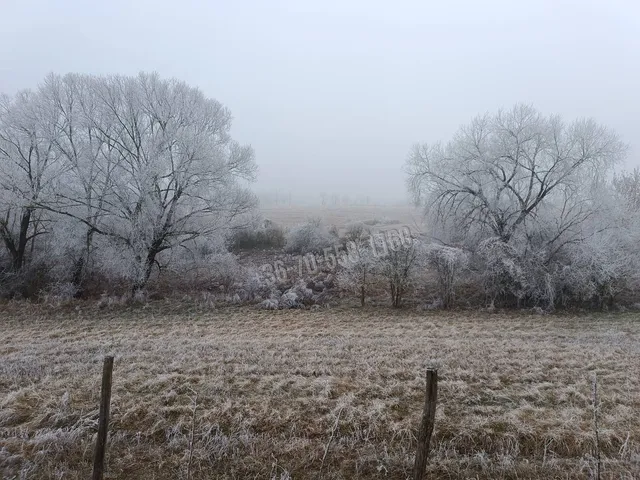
(148, 267)
(82, 262)
(78, 268)
(396, 295)
(18, 250)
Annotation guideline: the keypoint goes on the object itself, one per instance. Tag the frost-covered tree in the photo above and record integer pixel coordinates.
(180, 172)
(136, 166)
(28, 166)
(85, 192)
(627, 186)
(150, 164)
(515, 172)
(520, 190)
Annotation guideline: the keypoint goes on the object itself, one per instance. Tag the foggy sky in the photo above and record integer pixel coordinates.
(332, 94)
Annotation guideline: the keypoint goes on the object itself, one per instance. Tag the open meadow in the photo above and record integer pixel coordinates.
(391, 216)
(332, 393)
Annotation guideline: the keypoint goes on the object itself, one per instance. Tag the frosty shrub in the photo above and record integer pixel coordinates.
(290, 299)
(447, 263)
(26, 283)
(597, 271)
(502, 272)
(358, 272)
(298, 295)
(305, 295)
(264, 237)
(256, 285)
(270, 304)
(310, 237)
(397, 266)
(357, 232)
(224, 270)
(381, 221)
(205, 266)
(59, 292)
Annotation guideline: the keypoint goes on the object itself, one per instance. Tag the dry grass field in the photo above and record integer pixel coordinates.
(276, 390)
(342, 215)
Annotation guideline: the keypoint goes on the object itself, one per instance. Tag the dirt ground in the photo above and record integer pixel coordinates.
(333, 393)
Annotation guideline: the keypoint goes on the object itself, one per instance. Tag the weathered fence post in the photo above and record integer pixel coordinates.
(103, 421)
(426, 426)
(596, 409)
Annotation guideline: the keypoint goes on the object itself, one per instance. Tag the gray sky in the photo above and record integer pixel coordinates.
(332, 94)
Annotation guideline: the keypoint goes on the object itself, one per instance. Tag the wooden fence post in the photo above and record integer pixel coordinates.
(103, 421)
(426, 426)
(596, 408)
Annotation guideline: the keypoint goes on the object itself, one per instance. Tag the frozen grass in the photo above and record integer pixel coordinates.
(342, 215)
(514, 392)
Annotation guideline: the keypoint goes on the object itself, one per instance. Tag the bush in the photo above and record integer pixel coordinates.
(59, 292)
(256, 286)
(357, 232)
(398, 268)
(381, 221)
(27, 283)
(199, 269)
(447, 263)
(224, 270)
(270, 304)
(504, 275)
(310, 237)
(599, 270)
(298, 295)
(358, 273)
(269, 236)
